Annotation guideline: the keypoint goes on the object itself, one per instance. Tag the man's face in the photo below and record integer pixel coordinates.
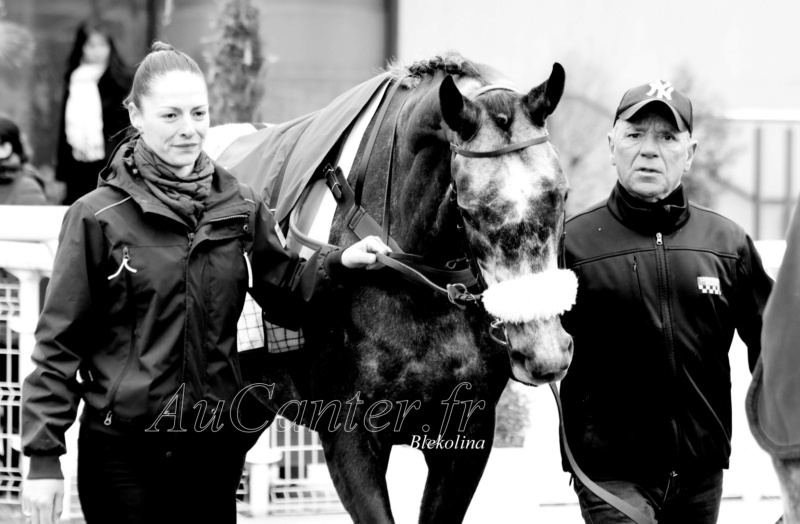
(650, 154)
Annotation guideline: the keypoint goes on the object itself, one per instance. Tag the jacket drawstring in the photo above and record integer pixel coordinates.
(249, 270)
(125, 257)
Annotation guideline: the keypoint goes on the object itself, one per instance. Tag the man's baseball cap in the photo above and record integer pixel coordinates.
(657, 91)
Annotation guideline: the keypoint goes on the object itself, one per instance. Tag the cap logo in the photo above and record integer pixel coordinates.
(661, 90)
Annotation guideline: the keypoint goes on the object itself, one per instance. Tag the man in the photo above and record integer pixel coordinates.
(663, 284)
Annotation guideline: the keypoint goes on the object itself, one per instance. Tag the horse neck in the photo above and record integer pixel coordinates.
(422, 221)
(426, 219)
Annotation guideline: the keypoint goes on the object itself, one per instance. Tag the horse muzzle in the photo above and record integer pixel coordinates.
(527, 321)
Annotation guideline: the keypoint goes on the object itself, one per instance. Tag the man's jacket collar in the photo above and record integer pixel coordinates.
(225, 198)
(665, 216)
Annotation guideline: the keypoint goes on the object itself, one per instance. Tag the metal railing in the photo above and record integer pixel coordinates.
(286, 472)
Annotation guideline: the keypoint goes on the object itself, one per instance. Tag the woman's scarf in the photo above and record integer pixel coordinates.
(184, 195)
(83, 114)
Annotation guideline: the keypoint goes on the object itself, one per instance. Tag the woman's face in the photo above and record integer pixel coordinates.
(173, 119)
(96, 50)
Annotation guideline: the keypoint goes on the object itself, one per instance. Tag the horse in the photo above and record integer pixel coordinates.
(772, 397)
(462, 177)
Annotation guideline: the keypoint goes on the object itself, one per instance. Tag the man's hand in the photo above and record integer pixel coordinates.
(362, 254)
(43, 500)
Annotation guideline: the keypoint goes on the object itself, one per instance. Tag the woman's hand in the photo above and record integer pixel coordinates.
(363, 253)
(43, 500)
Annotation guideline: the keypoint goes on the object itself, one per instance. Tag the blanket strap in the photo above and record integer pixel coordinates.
(362, 167)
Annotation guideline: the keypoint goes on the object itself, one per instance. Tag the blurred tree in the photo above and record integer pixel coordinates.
(578, 129)
(513, 417)
(715, 149)
(233, 55)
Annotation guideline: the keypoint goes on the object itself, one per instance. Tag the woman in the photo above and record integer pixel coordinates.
(19, 185)
(93, 116)
(148, 283)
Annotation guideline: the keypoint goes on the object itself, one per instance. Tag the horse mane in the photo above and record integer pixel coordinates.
(450, 63)
(499, 108)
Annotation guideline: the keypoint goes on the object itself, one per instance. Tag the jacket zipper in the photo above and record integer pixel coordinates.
(190, 237)
(220, 219)
(112, 394)
(666, 315)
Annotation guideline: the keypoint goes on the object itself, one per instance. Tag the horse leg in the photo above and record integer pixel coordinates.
(453, 477)
(357, 463)
(788, 471)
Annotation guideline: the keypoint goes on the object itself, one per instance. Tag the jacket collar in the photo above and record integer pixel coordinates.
(225, 198)
(665, 216)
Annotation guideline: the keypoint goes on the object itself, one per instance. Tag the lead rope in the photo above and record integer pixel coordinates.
(632, 513)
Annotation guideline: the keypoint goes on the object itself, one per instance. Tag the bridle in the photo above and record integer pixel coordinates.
(462, 287)
(497, 328)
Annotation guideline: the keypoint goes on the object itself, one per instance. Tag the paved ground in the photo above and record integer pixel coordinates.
(507, 495)
(732, 512)
(526, 485)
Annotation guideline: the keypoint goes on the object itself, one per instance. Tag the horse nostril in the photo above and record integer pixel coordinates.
(518, 358)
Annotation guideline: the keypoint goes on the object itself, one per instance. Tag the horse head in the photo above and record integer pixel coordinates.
(510, 190)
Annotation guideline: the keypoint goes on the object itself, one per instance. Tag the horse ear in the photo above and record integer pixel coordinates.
(542, 100)
(459, 113)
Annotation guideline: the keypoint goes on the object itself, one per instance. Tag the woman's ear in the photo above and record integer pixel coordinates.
(136, 116)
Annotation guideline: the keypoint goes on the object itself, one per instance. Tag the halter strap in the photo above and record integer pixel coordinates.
(495, 87)
(503, 150)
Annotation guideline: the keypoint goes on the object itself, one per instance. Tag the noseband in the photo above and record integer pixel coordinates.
(502, 151)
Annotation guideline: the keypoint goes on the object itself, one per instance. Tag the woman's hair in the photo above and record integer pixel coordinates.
(116, 67)
(162, 59)
(9, 132)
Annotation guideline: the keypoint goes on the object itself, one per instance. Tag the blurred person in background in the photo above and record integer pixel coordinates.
(93, 116)
(19, 183)
(663, 284)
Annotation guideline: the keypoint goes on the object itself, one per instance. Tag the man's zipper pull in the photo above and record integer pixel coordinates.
(107, 421)
(658, 239)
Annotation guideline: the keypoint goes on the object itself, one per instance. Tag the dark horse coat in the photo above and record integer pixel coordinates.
(395, 363)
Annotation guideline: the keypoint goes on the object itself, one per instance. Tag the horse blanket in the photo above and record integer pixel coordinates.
(773, 401)
(256, 159)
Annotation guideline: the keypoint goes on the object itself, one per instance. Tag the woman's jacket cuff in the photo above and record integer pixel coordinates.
(45, 467)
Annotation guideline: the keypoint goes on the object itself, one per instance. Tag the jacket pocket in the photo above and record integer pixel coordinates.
(131, 308)
(124, 265)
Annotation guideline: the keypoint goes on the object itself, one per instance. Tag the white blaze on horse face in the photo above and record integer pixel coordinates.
(518, 188)
(515, 183)
(510, 196)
